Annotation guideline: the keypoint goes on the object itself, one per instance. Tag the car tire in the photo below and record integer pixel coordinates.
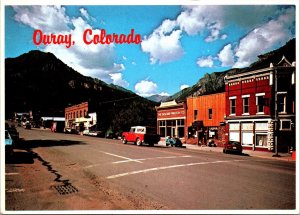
(124, 140)
(138, 142)
(224, 151)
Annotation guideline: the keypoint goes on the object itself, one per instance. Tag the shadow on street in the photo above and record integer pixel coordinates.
(29, 144)
(20, 158)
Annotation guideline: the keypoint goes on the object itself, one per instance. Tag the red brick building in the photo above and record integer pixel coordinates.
(74, 115)
(205, 119)
(171, 119)
(260, 107)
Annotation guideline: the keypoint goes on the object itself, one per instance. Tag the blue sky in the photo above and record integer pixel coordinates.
(179, 43)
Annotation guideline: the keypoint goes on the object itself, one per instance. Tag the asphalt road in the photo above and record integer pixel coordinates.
(53, 171)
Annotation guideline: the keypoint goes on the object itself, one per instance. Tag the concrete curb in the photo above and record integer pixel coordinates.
(258, 154)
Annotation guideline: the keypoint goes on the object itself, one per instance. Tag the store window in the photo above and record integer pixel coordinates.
(162, 128)
(180, 128)
(171, 122)
(261, 140)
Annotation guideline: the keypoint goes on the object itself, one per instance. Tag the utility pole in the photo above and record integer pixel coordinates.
(276, 126)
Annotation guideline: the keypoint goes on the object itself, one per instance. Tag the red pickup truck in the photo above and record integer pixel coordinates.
(140, 135)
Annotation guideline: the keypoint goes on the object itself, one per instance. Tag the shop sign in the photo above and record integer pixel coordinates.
(171, 113)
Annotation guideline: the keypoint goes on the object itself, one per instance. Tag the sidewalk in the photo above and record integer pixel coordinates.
(259, 154)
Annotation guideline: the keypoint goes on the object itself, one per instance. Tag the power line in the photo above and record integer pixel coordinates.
(119, 100)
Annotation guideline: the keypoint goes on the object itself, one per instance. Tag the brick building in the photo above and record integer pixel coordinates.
(205, 119)
(77, 116)
(260, 107)
(171, 119)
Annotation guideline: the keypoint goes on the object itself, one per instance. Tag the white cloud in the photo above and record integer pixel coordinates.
(118, 80)
(263, 38)
(184, 86)
(199, 19)
(205, 61)
(146, 88)
(164, 94)
(97, 61)
(84, 13)
(163, 47)
(226, 56)
(50, 19)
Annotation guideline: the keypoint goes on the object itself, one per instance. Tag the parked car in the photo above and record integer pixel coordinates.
(173, 141)
(94, 131)
(233, 146)
(9, 143)
(71, 131)
(13, 133)
(111, 135)
(141, 134)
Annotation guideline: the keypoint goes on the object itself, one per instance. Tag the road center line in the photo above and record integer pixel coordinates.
(11, 173)
(143, 159)
(107, 153)
(128, 159)
(14, 190)
(166, 167)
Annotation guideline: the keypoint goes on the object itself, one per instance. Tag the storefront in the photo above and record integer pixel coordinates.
(253, 135)
(171, 119)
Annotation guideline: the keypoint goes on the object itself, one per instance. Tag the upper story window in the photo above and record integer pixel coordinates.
(232, 101)
(195, 114)
(245, 104)
(281, 102)
(209, 113)
(260, 102)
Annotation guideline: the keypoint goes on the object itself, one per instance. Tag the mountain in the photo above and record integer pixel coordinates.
(40, 82)
(157, 98)
(214, 82)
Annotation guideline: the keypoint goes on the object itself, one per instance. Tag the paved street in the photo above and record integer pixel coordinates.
(54, 171)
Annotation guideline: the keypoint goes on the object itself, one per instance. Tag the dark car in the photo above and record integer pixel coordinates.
(9, 143)
(71, 131)
(13, 133)
(173, 141)
(233, 146)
